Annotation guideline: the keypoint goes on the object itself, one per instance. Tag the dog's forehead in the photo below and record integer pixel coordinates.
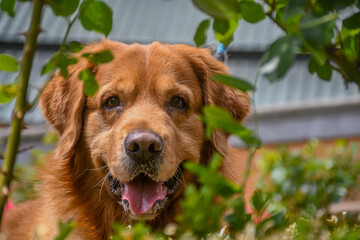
(156, 66)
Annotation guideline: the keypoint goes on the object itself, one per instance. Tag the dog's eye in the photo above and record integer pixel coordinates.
(112, 102)
(178, 102)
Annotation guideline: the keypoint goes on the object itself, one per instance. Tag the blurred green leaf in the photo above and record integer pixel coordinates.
(8, 63)
(252, 12)
(224, 30)
(7, 93)
(75, 47)
(216, 117)
(351, 47)
(280, 57)
(260, 202)
(238, 219)
(90, 84)
(294, 7)
(325, 72)
(352, 22)
(218, 9)
(313, 65)
(318, 30)
(65, 229)
(99, 57)
(234, 82)
(8, 6)
(63, 7)
(96, 16)
(50, 138)
(280, 15)
(200, 35)
(333, 5)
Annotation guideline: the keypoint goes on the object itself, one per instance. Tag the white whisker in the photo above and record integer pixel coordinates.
(89, 169)
(102, 185)
(100, 181)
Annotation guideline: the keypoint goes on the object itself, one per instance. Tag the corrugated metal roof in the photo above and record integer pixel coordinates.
(298, 86)
(172, 21)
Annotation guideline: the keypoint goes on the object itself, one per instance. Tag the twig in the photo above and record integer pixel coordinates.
(269, 14)
(21, 150)
(248, 167)
(20, 105)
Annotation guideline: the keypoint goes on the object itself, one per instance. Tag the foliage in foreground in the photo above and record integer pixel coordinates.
(296, 212)
(297, 190)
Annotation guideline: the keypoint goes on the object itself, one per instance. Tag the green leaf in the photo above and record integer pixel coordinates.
(75, 47)
(318, 30)
(64, 62)
(219, 9)
(325, 72)
(100, 57)
(280, 15)
(63, 7)
(351, 47)
(65, 229)
(96, 16)
(234, 82)
(333, 5)
(90, 84)
(216, 117)
(313, 65)
(7, 93)
(294, 7)
(200, 35)
(252, 12)
(8, 6)
(280, 57)
(50, 65)
(8, 63)
(224, 30)
(352, 22)
(260, 201)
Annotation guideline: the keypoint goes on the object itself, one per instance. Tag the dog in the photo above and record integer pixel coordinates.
(121, 152)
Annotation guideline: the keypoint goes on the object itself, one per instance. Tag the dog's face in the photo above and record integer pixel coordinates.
(143, 122)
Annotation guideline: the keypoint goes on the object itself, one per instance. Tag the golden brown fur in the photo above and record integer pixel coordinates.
(145, 77)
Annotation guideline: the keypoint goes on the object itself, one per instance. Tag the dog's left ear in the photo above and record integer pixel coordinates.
(234, 101)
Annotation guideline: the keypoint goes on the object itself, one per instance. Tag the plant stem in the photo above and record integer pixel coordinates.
(52, 72)
(20, 105)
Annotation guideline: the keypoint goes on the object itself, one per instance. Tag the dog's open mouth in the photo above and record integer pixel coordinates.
(142, 196)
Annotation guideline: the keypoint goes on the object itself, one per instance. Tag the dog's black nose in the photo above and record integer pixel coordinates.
(143, 145)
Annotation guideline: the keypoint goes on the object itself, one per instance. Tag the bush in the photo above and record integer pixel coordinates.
(295, 191)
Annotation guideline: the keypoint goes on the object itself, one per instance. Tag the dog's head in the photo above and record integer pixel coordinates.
(143, 122)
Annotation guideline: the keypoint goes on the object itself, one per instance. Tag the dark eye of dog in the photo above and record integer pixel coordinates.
(178, 102)
(112, 102)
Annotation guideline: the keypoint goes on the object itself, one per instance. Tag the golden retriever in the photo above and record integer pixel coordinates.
(120, 154)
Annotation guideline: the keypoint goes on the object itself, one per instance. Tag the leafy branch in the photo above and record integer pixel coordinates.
(100, 22)
(20, 105)
(310, 28)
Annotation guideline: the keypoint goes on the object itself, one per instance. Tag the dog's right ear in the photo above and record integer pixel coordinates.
(62, 104)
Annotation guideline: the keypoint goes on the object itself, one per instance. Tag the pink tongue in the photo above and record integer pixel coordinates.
(142, 194)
